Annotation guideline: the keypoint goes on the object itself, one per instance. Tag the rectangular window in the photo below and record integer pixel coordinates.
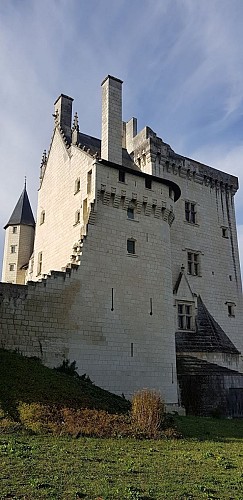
(190, 212)
(130, 213)
(193, 264)
(13, 248)
(89, 181)
(39, 263)
(148, 183)
(121, 176)
(42, 217)
(77, 217)
(231, 309)
(185, 316)
(15, 229)
(11, 267)
(131, 246)
(225, 232)
(77, 186)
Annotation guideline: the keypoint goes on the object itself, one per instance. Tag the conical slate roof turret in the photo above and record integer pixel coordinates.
(22, 213)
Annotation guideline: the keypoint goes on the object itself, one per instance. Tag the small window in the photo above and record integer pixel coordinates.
(39, 263)
(231, 309)
(225, 232)
(77, 217)
(11, 267)
(171, 193)
(130, 213)
(89, 181)
(15, 229)
(185, 316)
(42, 217)
(121, 176)
(193, 264)
(131, 247)
(13, 248)
(77, 186)
(148, 183)
(190, 212)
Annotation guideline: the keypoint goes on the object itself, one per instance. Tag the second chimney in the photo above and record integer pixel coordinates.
(111, 138)
(63, 109)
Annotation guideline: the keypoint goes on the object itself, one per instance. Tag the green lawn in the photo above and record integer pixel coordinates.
(199, 467)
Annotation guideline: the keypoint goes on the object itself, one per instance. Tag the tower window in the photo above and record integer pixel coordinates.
(15, 229)
(77, 217)
(231, 309)
(77, 186)
(89, 181)
(148, 183)
(130, 213)
(121, 177)
(185, 316)
(193, 264)
(190, 212)
(11, 267)
(39, 263)
(225, 232)
(42, 217)
(13, 248)
(131, 247)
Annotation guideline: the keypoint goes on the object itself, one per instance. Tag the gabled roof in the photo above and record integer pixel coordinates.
(22, 213)
(208, 337)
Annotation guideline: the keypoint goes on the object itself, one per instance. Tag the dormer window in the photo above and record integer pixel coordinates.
(185, 315)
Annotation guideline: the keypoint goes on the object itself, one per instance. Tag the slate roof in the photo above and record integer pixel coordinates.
(22, 213)
(208, 337)
(188, 365)
(94, 145)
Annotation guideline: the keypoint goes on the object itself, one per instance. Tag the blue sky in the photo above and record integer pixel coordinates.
(181, 62)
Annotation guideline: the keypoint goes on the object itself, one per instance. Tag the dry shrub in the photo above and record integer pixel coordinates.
(99, 423)
(148, 414)
(85, 422)
(40, 418)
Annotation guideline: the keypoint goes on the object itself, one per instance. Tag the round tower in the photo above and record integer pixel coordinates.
(19, 241)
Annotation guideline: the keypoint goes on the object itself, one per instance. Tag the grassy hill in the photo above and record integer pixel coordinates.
(27, 380)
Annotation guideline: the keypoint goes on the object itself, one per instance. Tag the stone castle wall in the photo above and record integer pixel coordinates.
(87, 314)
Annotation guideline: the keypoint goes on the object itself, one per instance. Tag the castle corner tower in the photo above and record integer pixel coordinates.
(19, 240)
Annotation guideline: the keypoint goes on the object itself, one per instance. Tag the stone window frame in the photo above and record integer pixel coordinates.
(225, 232)
(131, 247)
(231, 308)
(89, 181)
(191, 216)
(185, 315)
(13, 248)
(77, 185)
(15, 230)
(12, 267)
(122, 176)
(193, 263)
(77, 217)
(39, 263)
(148, 183)
(42, 217)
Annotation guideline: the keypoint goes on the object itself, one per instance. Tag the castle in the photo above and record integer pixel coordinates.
(132, 268)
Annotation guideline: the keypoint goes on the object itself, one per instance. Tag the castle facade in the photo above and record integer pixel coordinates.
(132, 268)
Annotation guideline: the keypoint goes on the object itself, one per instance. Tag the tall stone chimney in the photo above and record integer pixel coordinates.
(63, 114)
(111, 137)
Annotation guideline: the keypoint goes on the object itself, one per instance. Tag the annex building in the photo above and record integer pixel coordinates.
(132, 267)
